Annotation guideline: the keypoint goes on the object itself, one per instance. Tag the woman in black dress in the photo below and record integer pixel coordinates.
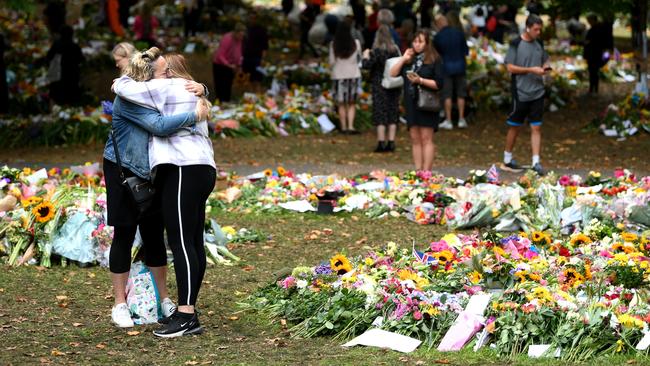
(421, 67)
(385, 102)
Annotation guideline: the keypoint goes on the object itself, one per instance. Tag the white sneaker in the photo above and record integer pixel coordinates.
(168, 307)
(121, 316)
(446, 125)
(462, 123)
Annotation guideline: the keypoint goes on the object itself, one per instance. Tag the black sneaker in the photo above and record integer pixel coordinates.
(165, 320)
(180, 324)
(381, 147)
(390, 146)
(512, 166)
(539, 170)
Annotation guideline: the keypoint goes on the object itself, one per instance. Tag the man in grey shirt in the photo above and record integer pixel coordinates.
(528, 63)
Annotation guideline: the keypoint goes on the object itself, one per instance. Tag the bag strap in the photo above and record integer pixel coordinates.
(117, 155)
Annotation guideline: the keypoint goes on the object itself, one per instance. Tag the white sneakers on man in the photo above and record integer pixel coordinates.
(121, 316)
(446, 125)
(168, 307)
(462, 123)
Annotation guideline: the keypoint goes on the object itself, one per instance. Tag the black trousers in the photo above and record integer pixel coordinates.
(223, 78)
(151, 231)
(594, 75)
(184, 190)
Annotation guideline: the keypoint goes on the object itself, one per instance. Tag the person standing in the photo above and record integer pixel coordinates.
(307, 19)
(344, 58)
(192, 16)
(227, 59)
(385, 106)
(421, 67)
(145, 25)
(426, 9)
(256, 43)
(64, 60)
(451, 45)
(528, 63)
(595, 46)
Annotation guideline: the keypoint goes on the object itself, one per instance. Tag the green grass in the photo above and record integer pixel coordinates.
(38, 328)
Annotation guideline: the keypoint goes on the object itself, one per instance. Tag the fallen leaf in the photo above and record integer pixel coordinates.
(77, 324)
(248, 268)
(133, 333)
(100, 346)
(328, 231)
(61, 297)
(56, 352)
(91, 275)
(362, 241)
(192, 363)
(444, 361)
(233, 318)
(354, 218)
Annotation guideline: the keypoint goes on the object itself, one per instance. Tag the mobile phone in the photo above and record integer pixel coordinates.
(410, 72)
(548, 68)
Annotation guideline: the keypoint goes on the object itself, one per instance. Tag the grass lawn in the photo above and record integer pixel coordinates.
(62, 315)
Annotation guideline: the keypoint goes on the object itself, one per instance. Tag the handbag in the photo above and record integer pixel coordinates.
(389, 82)
(142, 296)
(428, 100)
(142, 190)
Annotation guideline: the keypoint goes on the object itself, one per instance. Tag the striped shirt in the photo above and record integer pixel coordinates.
(190, 146)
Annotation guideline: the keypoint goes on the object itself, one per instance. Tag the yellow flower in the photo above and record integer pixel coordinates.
(538, 236)
(580, 239)
(368, 261)
(621, 257)
(268, 172)
(629, 237)
(540, 293)
(340, 264)
(281, 171)
(31, 201)
(523, 234)
(228, 230)
(629, 321)
(475, 277)
(444, 257)
(44, 212)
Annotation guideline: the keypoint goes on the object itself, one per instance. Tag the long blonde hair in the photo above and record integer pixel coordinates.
(141, 65)
(177, 67)
(384, 40)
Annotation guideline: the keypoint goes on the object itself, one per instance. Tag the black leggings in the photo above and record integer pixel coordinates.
(223, 77)
(594, 75)
(184, 190)
(151, 231)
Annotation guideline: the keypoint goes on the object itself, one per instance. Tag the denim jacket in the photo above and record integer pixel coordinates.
(132, 125)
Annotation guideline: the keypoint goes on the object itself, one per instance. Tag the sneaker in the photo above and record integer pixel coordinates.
(168, 307)
(446, 125)
(381, 147)
(390, 147)
(121, 316)
(180, 324)
(538, 169)
(166, 319)
(512, 166)
(462, 123)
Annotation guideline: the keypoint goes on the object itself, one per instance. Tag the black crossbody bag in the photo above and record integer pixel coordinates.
(142, 190)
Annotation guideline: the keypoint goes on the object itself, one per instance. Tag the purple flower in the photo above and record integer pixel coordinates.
(323, 269)
(107, 105)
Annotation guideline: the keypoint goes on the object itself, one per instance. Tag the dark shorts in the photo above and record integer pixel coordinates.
(454, 85)
(531, 110)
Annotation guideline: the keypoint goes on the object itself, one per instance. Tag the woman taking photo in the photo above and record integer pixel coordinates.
(344, 57)
(385, 102)
(132, 127)
(421, 67)
(185, 174)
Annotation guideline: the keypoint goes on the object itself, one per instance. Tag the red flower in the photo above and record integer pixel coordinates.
(564, 251)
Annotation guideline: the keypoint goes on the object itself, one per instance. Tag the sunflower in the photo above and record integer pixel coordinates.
(475, 277)
(268, 173)
(444, 256)
(538, 236)
(44, 212)
(340, 264)
(572, 277)
(281, 171)
(629, 237)
(617, 247)
(580, 239)
(541, 293)
(630, 321)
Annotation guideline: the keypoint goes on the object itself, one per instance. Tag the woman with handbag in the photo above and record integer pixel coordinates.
(185, 174)
(421, 68)
(385, 98)
(125, 158)
(344, 58)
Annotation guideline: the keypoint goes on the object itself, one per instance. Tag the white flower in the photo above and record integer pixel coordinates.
(301, 283)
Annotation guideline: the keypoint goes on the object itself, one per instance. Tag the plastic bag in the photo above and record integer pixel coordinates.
(142, 295)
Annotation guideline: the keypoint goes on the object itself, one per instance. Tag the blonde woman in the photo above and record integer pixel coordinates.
(185, 174)
(121, 54)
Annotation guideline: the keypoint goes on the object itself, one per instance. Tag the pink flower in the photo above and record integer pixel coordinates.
(439, 246)
(564, 180)
(288, 282)
(417, 315)
(606, 254)
(619, 172)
